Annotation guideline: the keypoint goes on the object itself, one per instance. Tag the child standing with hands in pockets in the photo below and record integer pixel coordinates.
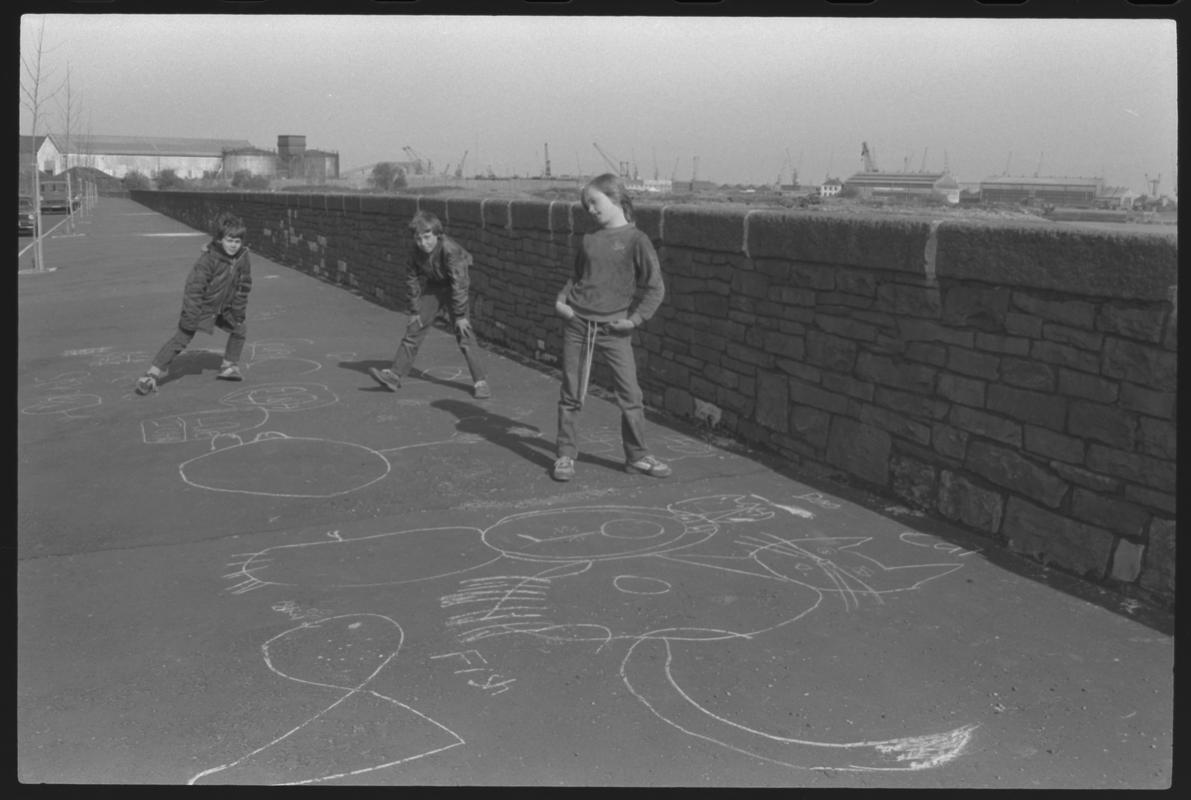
(616, 286)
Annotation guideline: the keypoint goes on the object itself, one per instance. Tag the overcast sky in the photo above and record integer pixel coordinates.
(1075, 97)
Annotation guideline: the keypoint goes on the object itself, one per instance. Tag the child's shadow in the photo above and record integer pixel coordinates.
(191, 362)
(522, 439)
(415, 374)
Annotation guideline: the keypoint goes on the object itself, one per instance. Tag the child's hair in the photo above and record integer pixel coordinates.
(228, 224)
(613, 187)
(425, 222)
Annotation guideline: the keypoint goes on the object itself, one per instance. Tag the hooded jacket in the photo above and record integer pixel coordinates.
(218, 286)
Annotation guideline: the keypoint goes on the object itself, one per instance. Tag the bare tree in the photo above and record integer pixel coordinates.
(70, 108)
(33, 95)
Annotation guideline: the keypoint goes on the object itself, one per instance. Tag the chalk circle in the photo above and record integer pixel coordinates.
(277, 465)
(280, 366)
(594, 533)
(282, 396)
(640, 584)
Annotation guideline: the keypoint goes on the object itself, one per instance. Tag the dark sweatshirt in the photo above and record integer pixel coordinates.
(617, 275)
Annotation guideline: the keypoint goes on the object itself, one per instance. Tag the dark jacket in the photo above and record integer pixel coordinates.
(443, 268)
(218, 286)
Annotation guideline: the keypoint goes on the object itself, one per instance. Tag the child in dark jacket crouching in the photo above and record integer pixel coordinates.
(216, 296)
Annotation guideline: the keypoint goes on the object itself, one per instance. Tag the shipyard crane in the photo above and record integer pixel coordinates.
(547, 146)
(868, 159)
(618, 170)
(462, 161)
(694, 171)
(420, 164)
(674, 172)
(777, 185)
(1153, 184)
(923, 167)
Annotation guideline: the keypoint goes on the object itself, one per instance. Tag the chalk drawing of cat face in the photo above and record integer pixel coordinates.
(719, 568)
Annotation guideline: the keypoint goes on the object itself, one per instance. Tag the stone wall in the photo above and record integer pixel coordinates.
(1018, 380)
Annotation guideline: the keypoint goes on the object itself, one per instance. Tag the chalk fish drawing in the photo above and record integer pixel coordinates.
(342, 653)
(582, 574)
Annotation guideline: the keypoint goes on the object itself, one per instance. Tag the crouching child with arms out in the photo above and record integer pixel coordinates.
(215, 296)
(437, 285)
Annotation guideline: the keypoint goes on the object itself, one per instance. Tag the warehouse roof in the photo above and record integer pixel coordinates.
(1048, 181)
(921, 179)
(149, 145)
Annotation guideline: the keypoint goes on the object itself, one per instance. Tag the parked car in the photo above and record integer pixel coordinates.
(54, 197)
(26, 216)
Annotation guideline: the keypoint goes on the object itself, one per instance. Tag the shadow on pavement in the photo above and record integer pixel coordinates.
(191, 362)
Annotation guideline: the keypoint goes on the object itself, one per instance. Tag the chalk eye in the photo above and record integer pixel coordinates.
(639, 584)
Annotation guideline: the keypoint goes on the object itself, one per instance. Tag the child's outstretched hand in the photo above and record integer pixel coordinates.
(625, 324)
(463, 326)
(564, 310)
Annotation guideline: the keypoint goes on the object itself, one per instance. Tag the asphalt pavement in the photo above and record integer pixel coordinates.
(303, 578)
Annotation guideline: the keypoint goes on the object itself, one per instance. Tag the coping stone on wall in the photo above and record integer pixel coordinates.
(705, 227)
(436, 206)
(877, 243)
(495, 212)
(466, 210)
(530, 215)
(648, 220)
(378, 204)
(560, 216)
(1087, 261)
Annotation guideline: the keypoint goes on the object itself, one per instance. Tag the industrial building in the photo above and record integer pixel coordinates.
(1057, 191)
(903, 185)
(188, 158)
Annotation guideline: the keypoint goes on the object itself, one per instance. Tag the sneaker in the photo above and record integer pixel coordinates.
(648, 465)
(146, 384)
(482, 391)
(230, 373)
(386, 378)
(564, 468)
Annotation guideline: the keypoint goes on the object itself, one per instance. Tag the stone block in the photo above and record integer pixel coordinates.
(464, 211)
(896, 424)
(846, 327)
(1040, 408)
(1131, 321)
(1156, 473)
(949, 441)
(1009, 345)
(705, 228)
(876, 243)
(968, 391)
(1158, 566)
(831, 352)
(1056, 540)
(495, 212)
(1085, 477)
(773, 400)
(856, 282)
(984, 424)
(960, 499)
(1025, 325)
(860, 450)
(970, 362)
(812, 276)
(811, 395)
(1142, 364)
(975, 307)
(928, 353)
(916, 301)
(1158, 438)
(1090, 387)
(1101, 263)
(846, 384)
(1076, 313)
(529, 215)
(909, 376)
(1147, 401)
(1126, 561)
(927, 331)
(1028, 374)
(1084, 340)
(1163, 502)
(912, 404)
(1064, 355)
(1053, 445)
(913, 481)
(811, 425)
(1009, 469)
(1108, 512)
(1103, 423)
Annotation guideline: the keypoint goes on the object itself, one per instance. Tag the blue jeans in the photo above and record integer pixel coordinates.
(182, 338)
(616, 349)
(432, 304)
